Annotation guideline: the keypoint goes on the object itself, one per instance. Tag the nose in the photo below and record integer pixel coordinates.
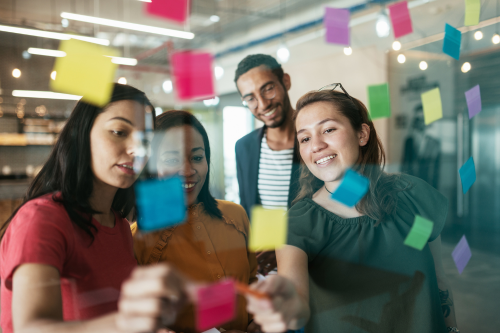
(187, 170)
(263, 103)
(317, 144)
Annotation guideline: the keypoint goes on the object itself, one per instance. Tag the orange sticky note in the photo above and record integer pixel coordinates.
(86, 70)
(268, 229)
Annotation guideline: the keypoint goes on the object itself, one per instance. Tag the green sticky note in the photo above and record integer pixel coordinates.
(472, 12)
(86, 71)
(419, 233)
(268, 229)
(379, 102)
(431, 102)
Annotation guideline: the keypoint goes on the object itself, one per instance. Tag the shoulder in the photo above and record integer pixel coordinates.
(235, 215)
(250, 139)
(41, 209)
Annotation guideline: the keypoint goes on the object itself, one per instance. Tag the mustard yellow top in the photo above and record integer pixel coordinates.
(205, 249)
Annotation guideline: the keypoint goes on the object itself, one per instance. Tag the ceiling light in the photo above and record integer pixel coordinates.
(478, 35)
(495, 39)
(383, 27)
(167, 86)
(396, 46)
(129, 26)
(283, 54)
(44, 94)
(219, 72)
(46, 52)
(64, 23)
(423, 65)
(212, 102)
(122, 80)
(214, 18)
(124, 61)
(16, 73)
(347, 50)
(158, 111)
(53, 35)
(401, 58)
(53, 75)
(466, 67)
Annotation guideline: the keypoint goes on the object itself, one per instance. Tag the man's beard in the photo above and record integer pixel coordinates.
(285, 110)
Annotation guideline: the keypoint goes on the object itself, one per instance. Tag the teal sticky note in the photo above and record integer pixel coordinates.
(160, 203)
(419, 233)
(467, 174)
(352, 188)
(379, 102)
(452, 41)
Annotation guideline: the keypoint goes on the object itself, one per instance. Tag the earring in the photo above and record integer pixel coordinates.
(361, 141)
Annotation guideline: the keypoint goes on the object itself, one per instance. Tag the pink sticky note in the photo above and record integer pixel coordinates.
(401, 20)
(193, 75)
(216, 305)
(336, 22)
(175, 10)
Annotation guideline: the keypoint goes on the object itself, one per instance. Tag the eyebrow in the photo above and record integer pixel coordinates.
(261, 87)
(319, 123)
(122, 119)
(178, 153)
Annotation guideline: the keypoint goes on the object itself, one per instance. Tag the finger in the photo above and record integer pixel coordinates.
(137, 324)
(274, 328)
(142, 307)
(170, 288)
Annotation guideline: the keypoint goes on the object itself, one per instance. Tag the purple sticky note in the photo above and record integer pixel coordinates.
(473, 97)
(461, 254)
(336, 22)
(176, 10)
(193, 75)
(400, 18)
(216, 305)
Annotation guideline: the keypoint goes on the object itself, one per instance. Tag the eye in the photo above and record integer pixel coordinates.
(303, 140)
(118, 133)
(330, 130)
(171, 161)
(198, 158)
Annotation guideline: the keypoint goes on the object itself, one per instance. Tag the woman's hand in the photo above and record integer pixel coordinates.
(151, 298)
(281, 310)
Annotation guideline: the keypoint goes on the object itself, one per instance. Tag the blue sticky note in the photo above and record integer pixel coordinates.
(467, 174)
(160, 203)
(352, 188)
(452, 41)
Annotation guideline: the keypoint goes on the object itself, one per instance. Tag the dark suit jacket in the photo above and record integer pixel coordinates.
(247, 168)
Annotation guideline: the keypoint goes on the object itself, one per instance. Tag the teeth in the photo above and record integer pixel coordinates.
(270, 112)
(324, 159)
(188, 185)
(127, 166)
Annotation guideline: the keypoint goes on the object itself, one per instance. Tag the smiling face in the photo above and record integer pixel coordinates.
(328, 143)
(112, 144)
(182, 152)
(259, 82)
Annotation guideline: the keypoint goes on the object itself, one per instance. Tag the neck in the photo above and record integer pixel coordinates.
(101, 200)
(285, 134)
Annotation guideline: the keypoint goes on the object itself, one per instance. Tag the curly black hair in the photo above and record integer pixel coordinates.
(256, 60)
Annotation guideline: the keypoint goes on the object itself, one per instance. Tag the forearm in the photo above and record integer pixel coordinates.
(447, 303)
(104, 324)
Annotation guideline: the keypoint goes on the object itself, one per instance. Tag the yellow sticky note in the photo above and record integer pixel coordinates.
(85, 71)
(431, 102)
(472, 12)
(268, 230)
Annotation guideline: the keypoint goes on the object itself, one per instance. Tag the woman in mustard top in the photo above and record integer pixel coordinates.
(212, 244)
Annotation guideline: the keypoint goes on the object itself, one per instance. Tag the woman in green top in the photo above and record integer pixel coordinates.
(346, 269)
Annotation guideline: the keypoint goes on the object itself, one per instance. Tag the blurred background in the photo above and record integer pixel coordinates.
(293, 32)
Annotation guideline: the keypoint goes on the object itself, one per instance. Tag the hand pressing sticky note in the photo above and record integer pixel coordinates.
(268, 229)
(176, 10)
(193, 75)
(431, 102)
(215, 305)
(400, 18)
(472, 12)
(336, 23)
(379, 101)
(452, 41)
(352, 188)
(461, 254)
(419, 233)
(160, 203)
(467, 174)
(86, 70)
(473, 97)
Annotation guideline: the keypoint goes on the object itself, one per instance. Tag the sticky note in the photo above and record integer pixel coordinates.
(419, 233)
(379, 101)
(193, 75)
(467, 174)
(452, 41)
(215, 305)
(160, 203)
(268, 229)
(401, 19)
(431, 103)
(175, 10)
(461, 254)
(473, 98)
(352, 188)
(85, 71)
(472, 12)
(336, 21)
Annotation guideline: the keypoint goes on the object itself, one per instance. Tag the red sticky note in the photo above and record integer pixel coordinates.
(216, 305)
(193, 75)
(400, 18)
(175, 10)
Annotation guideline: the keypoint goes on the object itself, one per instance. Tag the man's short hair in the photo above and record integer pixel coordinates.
(256, 60)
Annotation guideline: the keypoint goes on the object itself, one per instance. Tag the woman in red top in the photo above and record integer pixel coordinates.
(67, 251)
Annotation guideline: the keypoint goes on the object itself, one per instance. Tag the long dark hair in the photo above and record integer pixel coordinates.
(68, 168)
(174, 118)
(381, 198)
